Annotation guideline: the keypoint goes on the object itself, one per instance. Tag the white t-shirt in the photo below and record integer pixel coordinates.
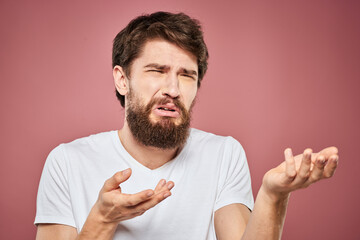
(210, 172)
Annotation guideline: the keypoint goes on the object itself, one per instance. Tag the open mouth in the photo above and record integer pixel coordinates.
(166, 109)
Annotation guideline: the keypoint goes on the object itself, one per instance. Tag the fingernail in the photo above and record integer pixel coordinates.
(307, 152)
(149, 194)
(289, 152)
(126, 171)
(322, 161)
(166, 195)
(162, 183)
(170, 186)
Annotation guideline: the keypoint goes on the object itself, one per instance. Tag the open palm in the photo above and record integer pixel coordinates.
(301, 171)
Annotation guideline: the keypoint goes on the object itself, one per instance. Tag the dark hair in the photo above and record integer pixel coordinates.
(178, 28)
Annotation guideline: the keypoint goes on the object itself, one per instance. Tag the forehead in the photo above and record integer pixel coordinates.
(166, 53)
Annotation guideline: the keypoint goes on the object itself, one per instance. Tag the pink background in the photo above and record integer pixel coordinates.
(281, 73)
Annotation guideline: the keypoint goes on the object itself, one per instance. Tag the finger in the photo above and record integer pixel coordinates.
(156, 199)
(331, 166)
(290, 169)
(160, 185)
(135, 199)
(318, 169)
(304, 170)
(170, 185)
(326, 152)
(163, 186)
(114, 182)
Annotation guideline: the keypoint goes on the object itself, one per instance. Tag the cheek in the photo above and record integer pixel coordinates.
(189, 95)
(148, 87)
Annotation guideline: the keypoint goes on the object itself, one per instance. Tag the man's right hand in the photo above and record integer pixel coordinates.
(111, 207)
(114, 206)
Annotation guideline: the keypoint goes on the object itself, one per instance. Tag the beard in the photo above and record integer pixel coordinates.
(164, 133)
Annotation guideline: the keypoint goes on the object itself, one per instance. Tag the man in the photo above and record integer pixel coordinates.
(159, 61)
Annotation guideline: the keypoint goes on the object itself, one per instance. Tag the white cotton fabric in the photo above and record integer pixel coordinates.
(209, 173)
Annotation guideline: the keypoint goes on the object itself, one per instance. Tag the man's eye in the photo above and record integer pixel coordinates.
(188, 76)
(156, 71)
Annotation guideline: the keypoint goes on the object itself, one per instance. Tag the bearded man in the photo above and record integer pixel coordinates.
(159, 61)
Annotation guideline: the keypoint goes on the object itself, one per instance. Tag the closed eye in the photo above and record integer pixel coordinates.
(188, 76)
(155, 70)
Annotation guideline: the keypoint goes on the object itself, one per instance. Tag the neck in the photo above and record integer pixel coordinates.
(150, 157)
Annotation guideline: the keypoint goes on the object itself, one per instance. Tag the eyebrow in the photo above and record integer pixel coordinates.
(165, 67)
(157, 66)
(189, 72)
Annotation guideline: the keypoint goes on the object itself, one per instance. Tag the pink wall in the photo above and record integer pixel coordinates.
(282, 73)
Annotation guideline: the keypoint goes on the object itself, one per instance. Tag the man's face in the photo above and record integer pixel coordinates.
(161, 91)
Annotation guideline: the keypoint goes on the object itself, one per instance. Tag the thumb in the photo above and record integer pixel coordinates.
(113, 182)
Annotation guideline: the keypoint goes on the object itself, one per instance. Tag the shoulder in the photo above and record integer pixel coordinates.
(91, 142)
(90, 145)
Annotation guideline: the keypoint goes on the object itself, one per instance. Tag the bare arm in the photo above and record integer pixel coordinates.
(230, 221)
(268, 217)
(112, 207)
(55, 231)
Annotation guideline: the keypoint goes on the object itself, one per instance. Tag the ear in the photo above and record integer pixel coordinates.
(120, 80)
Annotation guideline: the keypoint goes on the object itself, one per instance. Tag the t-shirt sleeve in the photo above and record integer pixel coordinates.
(234, 181)
(53, 203)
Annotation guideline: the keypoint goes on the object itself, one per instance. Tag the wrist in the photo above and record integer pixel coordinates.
(96, 226)
(273, 197)
(97, 214)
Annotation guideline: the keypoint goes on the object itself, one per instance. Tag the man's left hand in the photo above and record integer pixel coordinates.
(300, 171)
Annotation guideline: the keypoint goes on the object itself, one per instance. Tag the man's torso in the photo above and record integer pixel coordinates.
(210, 172)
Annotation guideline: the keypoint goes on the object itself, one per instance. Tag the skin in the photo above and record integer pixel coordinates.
(164, 70)
(268, 216)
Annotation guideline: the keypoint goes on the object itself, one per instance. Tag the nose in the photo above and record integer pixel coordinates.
(171, 86)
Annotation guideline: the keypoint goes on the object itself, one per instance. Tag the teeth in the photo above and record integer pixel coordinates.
(167, 109)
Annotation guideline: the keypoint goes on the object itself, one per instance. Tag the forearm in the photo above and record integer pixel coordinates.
(96, 228)
(268, 217)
